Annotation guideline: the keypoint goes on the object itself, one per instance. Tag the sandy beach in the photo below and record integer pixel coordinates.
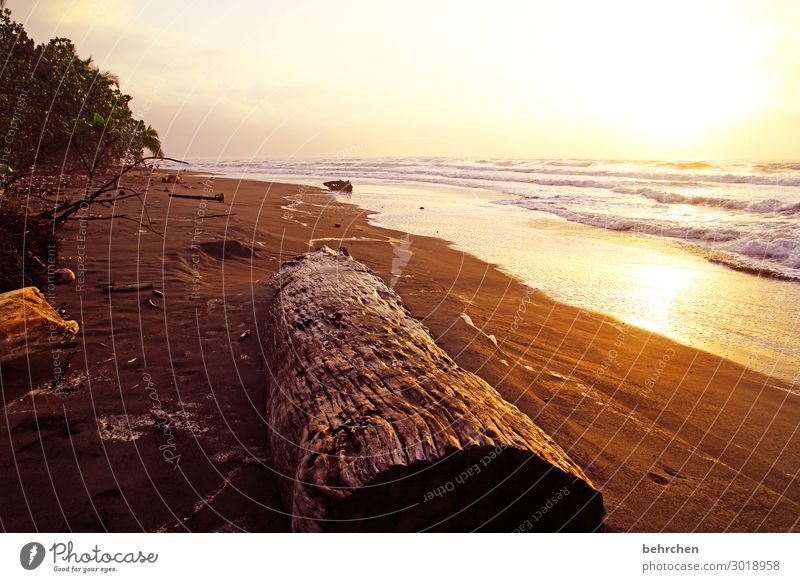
(159, 424)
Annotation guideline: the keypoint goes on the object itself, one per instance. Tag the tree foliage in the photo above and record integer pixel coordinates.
(58, 109)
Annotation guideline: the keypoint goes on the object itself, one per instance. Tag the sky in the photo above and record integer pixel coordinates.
(610, 80)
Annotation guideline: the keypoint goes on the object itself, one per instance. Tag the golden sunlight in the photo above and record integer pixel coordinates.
(659, 288)
(664, 75)
(616, 79)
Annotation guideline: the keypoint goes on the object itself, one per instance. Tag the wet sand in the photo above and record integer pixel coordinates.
(159, 426)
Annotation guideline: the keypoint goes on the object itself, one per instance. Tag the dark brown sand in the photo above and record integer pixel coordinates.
(159, 426)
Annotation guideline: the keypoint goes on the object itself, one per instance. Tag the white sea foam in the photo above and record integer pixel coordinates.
(746, 213)
(766, 206)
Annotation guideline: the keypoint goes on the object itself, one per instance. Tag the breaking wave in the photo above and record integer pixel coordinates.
(745, 215)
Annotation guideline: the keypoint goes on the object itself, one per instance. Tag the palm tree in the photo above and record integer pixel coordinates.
(151, 141)
(109, 78)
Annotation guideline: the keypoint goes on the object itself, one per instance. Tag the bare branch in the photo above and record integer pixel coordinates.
(62, 214)
(121, 217)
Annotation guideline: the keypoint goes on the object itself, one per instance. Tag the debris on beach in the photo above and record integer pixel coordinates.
(124, 287)
(468, 320)
(153, 305)
(63, 276)
(62, 309)
(131, 427)
(173, 179)
(338, 185)
(28, 323)
(217, 197)
(62, 370)
(72, 381)
(122, 427)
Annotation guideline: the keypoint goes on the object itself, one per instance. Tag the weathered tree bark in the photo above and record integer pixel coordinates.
(375, 428)
(29, 324)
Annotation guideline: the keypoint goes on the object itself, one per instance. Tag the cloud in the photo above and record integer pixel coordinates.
(519, 81)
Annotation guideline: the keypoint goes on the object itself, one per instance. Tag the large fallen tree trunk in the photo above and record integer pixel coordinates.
(29, 324)
(373, 427)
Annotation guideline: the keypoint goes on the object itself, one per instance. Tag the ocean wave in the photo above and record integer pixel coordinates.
(455, 176)
(686, 165)
(665, 228)
(668, 176)
(765, 206)
(768, 250)
(511, 170)
(570, 164)
(776, 167)
(756, 205)
(782, 249)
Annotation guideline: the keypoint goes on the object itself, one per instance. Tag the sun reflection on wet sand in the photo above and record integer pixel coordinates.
(655, 291)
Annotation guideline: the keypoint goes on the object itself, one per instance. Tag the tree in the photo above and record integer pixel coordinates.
(62, 110)
(151, 141)
(59, 112)
(17, 97)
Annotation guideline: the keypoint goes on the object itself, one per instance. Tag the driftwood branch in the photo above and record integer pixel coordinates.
(215, 197)
(120, 217)
(374, 427)
(117, 287)
(60, 215)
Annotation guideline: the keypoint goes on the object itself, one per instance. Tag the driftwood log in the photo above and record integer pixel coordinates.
(218, 197)
(373, 427)
(29, 324)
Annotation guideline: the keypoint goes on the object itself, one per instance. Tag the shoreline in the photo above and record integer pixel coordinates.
(673, 436)
(660, 284)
